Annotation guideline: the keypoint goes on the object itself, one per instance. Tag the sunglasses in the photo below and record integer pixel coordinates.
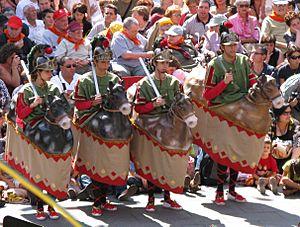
(69, 66)
(295, 57)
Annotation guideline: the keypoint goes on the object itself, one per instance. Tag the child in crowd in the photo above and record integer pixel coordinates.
(291, 177)
(265, 175)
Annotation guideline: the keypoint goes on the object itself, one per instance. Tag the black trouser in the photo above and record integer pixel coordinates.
(100, 191)
(151, 190)
(222, 174)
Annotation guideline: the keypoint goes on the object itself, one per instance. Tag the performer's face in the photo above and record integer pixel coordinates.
(45, 75)
(102, 65)
(162, 66)
(230, 50)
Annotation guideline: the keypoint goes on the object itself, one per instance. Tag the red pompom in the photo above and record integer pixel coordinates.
(105, 43)
(48, 50)
(228, 24)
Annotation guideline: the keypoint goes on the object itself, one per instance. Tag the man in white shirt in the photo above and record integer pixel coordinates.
(22, 4)
(36, 27)
(67, 78)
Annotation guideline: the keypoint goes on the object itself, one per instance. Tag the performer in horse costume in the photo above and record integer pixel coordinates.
(162, 136)
(40, 148)
(101, 118)
(232, 128)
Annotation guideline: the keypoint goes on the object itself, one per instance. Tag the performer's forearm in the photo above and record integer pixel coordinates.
(211, 93)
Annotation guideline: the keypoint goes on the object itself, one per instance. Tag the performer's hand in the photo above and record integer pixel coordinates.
(159, 102)
(97, 100)
(38, 100)
(228, 78)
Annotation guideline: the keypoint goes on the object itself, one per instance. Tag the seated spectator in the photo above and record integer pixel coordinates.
(285, 136)
(141, 14)
(76, 47)
(79, 12)
(36, 27)
(292, 66)
(266, 171)
(196, 25)
(220, 7)
(13, 34)
(291, 177)
(127, 47)
(22, 4)
(274, 55)
(43, 5)
(258, 57)
(244, 25)
(148, 3)
(274, 23)
(47, 17)
(292, 36)
(110, 15)
(174, 13)
(163, 25)
(182, 49)
(192, 6)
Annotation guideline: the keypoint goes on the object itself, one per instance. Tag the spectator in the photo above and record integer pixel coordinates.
(258, 57)
(47, 17)
(13, 34)
(110, 15)
(127, 47)
(141, 14)
(166, 3)
(22, 4)
(75, 46)
(244, 25)
(192, 6)
(274, 55)
(174, 13)
(148, 3)
(44, 5)
(292, 66)
(36, 27)
(274, 23)
(164, 24)
(79, 13)
(54, 35)
(220, 7)
(197, 23)
(291, 177)
(266, 171)
(292, 36)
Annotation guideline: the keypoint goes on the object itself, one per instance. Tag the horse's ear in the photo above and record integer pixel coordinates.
(50, 98)
(178, 95)
(122, 83)
(65, 102)
(263, 78)
(110, 85)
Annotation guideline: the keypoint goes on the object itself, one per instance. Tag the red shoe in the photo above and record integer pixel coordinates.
(109, 207)
(96, 211)
(53, 214)
(220, 201)
(40, 215)
(172, 204)
(150, 207)
(236, 197)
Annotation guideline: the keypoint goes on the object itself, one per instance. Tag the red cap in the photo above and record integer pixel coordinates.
(74, 26)
(14, 22)
(60, 13)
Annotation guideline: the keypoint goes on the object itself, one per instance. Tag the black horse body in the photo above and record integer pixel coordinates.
(109, 122)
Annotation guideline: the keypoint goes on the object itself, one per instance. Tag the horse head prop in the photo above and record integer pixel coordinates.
(182, 108)
(252, 111)
(116, 99)
(56, 111)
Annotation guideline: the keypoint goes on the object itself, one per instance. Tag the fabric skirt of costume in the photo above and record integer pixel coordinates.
(50, 172)
(105, 161)
(163, 167)
(226, 142)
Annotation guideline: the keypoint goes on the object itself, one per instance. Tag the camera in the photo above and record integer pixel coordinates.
(295, 94)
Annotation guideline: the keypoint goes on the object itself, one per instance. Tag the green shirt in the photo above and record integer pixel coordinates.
(85, 91)
(167, 89)
(241, 82)
(28, 93)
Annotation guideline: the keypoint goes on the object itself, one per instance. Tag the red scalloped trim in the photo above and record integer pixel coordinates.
(230, 123)
(41, 185)
(106, 180)
(181, 153)
(224, 161)
(178, 190)
(108, 143)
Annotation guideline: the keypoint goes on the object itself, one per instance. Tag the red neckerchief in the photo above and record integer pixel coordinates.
(60, 35)
(135, 40)
(13, 40)
(176, 46)
(277, 18)
(77, 43)
(109, 34)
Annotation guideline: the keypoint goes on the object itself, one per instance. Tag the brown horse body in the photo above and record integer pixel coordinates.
(171, 129)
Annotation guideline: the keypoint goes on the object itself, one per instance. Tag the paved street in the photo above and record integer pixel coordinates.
(199, 210)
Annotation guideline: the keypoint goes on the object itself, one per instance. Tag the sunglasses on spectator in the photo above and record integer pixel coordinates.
(295, 57)
(244, 5)
(69, 66)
